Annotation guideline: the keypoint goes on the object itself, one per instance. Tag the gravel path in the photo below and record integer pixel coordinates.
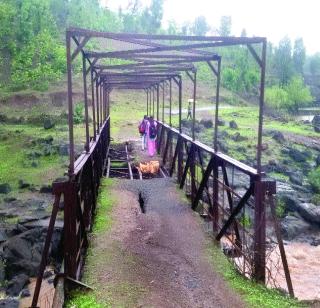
(162, 252)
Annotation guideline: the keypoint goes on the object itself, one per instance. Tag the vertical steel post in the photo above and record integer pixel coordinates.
(153, 102)
(70, 105)
(170, 101)
(163, 88)
(260, 190)
(98, 102)
(86, 111)
(157, 102)
(261, 104)
(93, 107)
(101, 100)
(194, 104)
(147, 91)
(216, 118)
(180, 103)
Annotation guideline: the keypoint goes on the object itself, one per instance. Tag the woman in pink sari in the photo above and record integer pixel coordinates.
(151, 136)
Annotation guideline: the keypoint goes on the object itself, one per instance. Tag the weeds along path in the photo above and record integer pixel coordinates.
(156, 259)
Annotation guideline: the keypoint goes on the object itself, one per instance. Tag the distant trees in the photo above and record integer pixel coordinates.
(299, 56)
(225, 26)
(200, 26)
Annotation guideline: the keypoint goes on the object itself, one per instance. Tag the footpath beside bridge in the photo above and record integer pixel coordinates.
(156, 63)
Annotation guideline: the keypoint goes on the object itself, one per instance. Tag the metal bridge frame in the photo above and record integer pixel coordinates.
(153, 63)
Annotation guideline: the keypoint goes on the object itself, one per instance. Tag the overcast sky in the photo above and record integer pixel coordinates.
(271, 18)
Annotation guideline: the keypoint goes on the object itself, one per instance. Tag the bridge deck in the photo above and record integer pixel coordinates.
(157, 259)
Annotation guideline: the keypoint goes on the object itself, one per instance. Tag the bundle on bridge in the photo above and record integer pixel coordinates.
(155, 64)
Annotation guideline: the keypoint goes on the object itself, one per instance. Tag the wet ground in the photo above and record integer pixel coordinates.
(161, 252)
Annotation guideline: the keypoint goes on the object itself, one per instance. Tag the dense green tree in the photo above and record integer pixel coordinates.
(225, 26)
(283, 61)
(200, 26)
(299, 55)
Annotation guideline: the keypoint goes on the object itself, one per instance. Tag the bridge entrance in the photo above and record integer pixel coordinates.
(156, 65)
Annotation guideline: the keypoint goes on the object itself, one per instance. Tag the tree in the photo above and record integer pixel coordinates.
(225, 26)
(172, 27)
(152, 17)
(283, 61)
(243, 32)
(299, 55)
(200, 26)
(314, 64)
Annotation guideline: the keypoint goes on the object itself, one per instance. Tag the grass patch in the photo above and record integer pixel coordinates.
(103, 221)
(255, 295)
(84, 300)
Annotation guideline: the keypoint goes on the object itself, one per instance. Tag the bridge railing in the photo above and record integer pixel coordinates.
(79, 195)
(232, 197)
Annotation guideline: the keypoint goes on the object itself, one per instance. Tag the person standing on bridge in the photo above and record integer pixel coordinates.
(190, 101)
(151, 136)
(143, 132)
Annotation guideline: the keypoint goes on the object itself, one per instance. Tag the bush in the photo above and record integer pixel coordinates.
(290, 97)
(78, 116)
(314, 179)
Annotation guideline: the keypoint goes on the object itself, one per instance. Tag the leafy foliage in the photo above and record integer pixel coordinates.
(314, 179)
(290, 97)
(78, 116)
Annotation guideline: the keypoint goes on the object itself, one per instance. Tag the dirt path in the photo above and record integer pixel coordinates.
(311, 142)
(156, 259)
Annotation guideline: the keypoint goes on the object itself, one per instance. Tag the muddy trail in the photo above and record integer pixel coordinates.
(157, 249)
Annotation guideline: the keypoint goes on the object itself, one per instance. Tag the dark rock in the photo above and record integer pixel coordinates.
(3, 236)
(47, 274)
(222, 147)
(315, 242)
(278, 136)
(64, 149)
(309, 212)
(290, 201)
(17, 284)
(22, 253)
(9, 199)
(296, 178)
(23, 184)
(51, 280)
(17, 229)
(35, 164)
(238, 138)
(316, 123)
(25, 293)
(293, 226)
(206, 123)
(48, 123)
(2, 271)
(223, 134)
(298, 156)
(46, 189)
(9, 303)
(186, 123)
(233, 124)
(198, 128)
(318, 161)
(221, 122)
(5, 188)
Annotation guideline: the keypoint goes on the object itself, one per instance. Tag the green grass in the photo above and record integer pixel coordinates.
(106, 200)
(255, 295)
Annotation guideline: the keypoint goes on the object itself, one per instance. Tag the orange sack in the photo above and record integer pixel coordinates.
(150, 167)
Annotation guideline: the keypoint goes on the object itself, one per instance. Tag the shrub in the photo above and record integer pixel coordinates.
(314, 179)
(78, 116)
(290, 97)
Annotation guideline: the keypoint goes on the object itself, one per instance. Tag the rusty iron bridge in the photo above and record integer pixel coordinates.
(155, 64)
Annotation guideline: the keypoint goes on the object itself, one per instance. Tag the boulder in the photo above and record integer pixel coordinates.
(296, 178)
(278, 136)
(48, 123)
(2, 271)
(9, 303)
(22, 253)
(293, 226)
(17, 284)
(206, 123)
(233, 124)
(5, 188)
(25, 293)
(290, 201)
(3, 236)
(316, 123)
(23, 184)
(298, 156)
(64, 149)
(238, 138)
(46, 189)
(309, 212)
(221, 122)
(318, 161)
